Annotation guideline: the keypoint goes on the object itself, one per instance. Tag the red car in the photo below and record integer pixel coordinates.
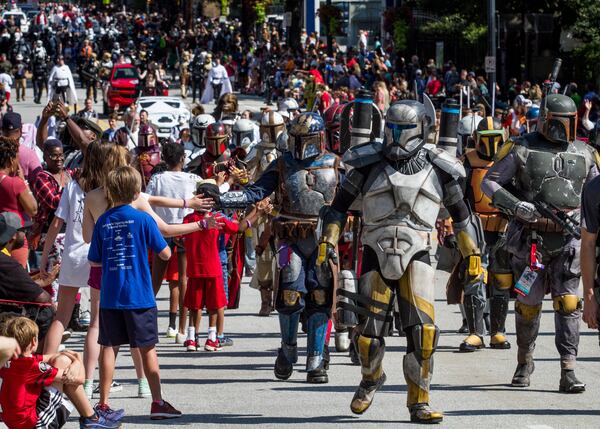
(123, 87)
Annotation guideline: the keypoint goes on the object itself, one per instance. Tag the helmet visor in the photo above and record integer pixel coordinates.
(561, 128)
(305, 146)
(215, 146)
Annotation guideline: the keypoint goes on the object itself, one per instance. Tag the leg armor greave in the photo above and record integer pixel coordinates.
(418, 364)
(317, 331)
(288, 323)
(370, 352)
(527, 321)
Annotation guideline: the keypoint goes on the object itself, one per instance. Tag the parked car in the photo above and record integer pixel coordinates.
(122, 88)
(166, 114)
(19, 17)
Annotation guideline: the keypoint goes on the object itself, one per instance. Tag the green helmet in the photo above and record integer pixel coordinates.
(558, 118)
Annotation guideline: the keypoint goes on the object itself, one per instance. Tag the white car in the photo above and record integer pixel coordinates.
(19, 17)
(166, 114)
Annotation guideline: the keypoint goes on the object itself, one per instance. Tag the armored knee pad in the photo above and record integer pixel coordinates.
(418, 365)
(566, 304)
(425, 338)
(501, 281)
(371, 351)
(528, 312)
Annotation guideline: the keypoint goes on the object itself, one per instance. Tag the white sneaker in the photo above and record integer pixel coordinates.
(171, 333)
(114, 387)
(85, 318)
(180, 338)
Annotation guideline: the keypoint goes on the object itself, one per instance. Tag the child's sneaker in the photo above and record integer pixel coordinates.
(98, 422)
(162, 411)
(88, 388)
(212, 346)
(190, 345)
(180, 338)
(171, 333)
(114, 387)
(225, 341)
(103, 410)
(143, 388)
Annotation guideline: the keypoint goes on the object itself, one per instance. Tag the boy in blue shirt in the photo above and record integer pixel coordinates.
(128, 314)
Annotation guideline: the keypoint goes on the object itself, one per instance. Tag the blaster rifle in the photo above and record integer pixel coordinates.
(559, 217)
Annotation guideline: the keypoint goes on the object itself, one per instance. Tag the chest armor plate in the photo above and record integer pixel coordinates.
(556, 178)
(394, 198)
(307, 186)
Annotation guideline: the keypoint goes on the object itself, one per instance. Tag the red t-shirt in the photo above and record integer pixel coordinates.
(202, 248)
(10, 188)
(22, 382)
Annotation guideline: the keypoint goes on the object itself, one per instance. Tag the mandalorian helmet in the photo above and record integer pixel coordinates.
(306, 136)
(558, 118)
(147, 136)
(243, 134)
(216, 139)
(466, 129)
(288, 108)
(272, 126)
(489, 136)
(199, 125)
(406, 129)
(332, 116)
(531, 117)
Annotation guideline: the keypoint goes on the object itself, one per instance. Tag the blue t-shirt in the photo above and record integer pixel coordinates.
(122, 237)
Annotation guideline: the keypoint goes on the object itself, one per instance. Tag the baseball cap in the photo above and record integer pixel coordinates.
(11, 121)
(10, 223)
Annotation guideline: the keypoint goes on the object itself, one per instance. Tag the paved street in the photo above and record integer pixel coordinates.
(236, 387)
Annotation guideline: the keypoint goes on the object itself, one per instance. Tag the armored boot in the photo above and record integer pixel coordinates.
(498, 312)
(287, 356)
(527, 320)
(315, 364)
(474, 314)
(266, 301)
(418, 367)
(568, 381)
(342, 340)
(370, 351)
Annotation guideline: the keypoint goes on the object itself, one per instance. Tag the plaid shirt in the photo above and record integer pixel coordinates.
(47, 192)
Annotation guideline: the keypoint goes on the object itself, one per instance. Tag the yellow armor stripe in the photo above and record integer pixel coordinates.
(502, 281)
(380, 292)
(366, 349)
(429, 333)
(407, 295)
(415, 394)
(505, 149)
(466, 245)
(597, 158)
(331, 234)
(490, 123)
(529, 312)
(566, 304)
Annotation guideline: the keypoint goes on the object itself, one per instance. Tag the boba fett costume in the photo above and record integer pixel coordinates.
(402, 182)
(545, 171)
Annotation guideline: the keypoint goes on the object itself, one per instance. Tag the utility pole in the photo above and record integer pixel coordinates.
(491, 60)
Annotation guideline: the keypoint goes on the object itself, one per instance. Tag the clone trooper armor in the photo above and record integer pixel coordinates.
(402, 182)
(549, 167)
(271, 129)
(304, 179)
(489, 136)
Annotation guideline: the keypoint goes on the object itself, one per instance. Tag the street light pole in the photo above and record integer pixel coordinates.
(492, 49)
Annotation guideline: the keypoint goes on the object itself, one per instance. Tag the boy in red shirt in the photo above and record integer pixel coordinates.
(33, 384)
(205, 276)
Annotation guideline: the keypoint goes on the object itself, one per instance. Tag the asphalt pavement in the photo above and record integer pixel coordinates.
(236, 387)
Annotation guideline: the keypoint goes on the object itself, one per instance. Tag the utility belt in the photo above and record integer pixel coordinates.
(293, 229)
(493, 222)
(543, 225)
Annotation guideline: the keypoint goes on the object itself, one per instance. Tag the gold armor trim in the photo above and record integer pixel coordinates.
(528, 312)
(502, 281)
(415, 394)
(466, 245)
(493, 222)
(498, 338)
(290, 297)
(427, 347)
(331, 234)
(475, 268)
(597, 158)
(504, 150)
(566, 304)
(406, 294)
(371, 363)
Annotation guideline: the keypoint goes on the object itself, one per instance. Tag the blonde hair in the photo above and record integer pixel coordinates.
(22, 329)
(115, 157)
(122, 185)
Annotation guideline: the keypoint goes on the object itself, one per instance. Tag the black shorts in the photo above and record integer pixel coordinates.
(52, 410)
(138, 328)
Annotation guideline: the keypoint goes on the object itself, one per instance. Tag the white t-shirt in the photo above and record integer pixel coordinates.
(173, 184)
(74, 269)
(7, 81)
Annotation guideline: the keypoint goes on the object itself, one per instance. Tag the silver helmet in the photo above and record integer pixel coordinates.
(272, 126)
(306, 138)
(466, 128)
(199, 125)
(288, 107)
(243, 134)
(406, 128)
